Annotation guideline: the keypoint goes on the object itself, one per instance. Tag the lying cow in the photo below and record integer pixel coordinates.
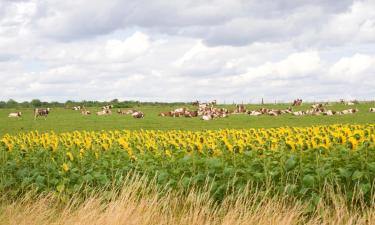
(85, 112)
(254, 113)
(104, 112)
(41, 112)
(299, 113)
(349, 111)
(207, 117)
(125, 112)
(372, 110)
(163, 114)
(138, 115)
(15, 115)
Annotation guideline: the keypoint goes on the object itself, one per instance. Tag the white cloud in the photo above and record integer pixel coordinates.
(167, 51)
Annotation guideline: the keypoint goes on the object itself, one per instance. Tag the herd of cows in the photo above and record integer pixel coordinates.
(209, 111)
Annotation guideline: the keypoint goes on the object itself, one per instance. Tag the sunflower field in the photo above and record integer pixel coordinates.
(292, 160)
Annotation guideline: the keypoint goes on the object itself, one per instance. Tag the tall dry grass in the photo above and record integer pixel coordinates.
(141, 203)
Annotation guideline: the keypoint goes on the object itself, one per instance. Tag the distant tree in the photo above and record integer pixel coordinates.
(11, 103)
(114, 100)
(36, 103)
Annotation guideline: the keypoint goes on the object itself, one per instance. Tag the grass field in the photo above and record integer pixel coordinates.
(61, 120)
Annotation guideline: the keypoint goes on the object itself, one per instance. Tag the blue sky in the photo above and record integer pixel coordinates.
(186, 50)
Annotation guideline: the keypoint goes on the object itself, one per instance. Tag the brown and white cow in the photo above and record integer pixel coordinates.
(41, 112)
(85, 112)
(138, 115)
(163, 114)
(15, 115)
(125, 112)
(254, 113)
(349, 111)
(107, 107)
(297, 102)
(104, 112)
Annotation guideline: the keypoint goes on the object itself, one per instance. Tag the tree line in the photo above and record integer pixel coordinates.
(36, 103)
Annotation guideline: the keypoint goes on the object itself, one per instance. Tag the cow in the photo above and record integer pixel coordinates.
(15, 115)
(85, 112)
(299, 113)
(254, 113)
(180, 110)
(105, 112)
(328, 113)
(207, 117)
(372, 110)
(107, 107)
(41, 112)
(349, 111)
(163, 114)
(76, 108)
(125, 112)
(297, 102)
(138, 115)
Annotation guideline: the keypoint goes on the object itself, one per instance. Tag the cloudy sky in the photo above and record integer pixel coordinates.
(162, 50)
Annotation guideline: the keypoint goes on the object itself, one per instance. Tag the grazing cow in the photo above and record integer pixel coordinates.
(372, 110)
(138, 115)
(15, 114)
(240, 108)
(297, 102)
(41, 112)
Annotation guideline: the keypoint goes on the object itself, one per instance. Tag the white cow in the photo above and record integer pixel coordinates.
(207, 117)
(254, 113)
(15, 114)
(372, 110)
(298, 113)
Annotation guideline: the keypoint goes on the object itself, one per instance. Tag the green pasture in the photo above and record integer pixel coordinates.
(61, 119)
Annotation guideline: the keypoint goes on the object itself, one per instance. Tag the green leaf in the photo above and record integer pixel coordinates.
(290, 164)
(308, 180)
(60, 188)
(344, 172)
(357, 175)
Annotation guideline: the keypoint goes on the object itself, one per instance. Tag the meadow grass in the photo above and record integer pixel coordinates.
(61, 119)
(140, 202)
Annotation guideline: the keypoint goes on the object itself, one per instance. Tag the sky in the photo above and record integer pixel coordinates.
(186, 50)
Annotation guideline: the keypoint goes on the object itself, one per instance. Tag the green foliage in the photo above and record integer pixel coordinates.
(300, 174)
